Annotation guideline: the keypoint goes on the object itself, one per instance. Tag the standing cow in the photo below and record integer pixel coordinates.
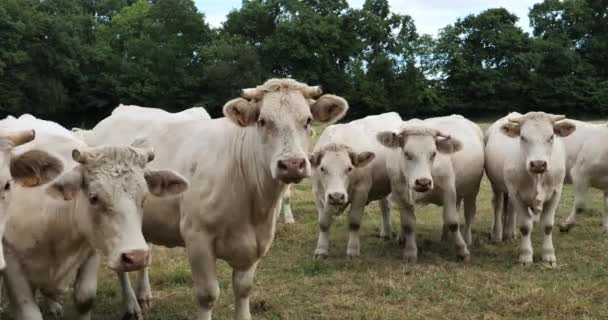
(238, 167)
(129, 123)
(586, 166)
(440, 161)
(349, 167)
(526, 161)
(54, 235)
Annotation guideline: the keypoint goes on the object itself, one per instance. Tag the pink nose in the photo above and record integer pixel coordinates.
(538, 166)
(134, 260)
(291, 170)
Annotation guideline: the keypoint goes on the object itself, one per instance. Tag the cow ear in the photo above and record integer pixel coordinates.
(242, 112)
(329, 108)
(362, 159)
(510, 129)
(35, 167)
(448, 145)
(315, 158)
(564, 128)
(67, 186)
(390, 139)
(163, 183)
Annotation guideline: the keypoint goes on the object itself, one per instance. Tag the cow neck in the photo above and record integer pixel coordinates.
(253, 165)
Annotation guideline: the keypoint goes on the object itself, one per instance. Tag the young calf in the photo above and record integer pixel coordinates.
(349, 168)
(527, 162)
(438, 161)
(53, 238)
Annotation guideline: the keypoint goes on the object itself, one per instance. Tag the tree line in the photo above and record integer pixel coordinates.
(73, 61)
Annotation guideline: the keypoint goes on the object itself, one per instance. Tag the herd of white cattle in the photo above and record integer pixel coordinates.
(215, 187)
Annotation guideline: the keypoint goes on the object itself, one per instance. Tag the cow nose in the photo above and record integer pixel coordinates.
(134, 260)
(423, 184)
(291, 170)
(538, 166)
(337, 198)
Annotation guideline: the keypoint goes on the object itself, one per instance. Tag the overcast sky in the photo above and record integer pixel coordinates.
(429, 15)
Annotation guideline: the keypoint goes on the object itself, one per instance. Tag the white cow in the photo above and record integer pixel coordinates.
(129, 123)
(54, 234)
(238, 167)
(526, 161)
(349, 167)
(586, 166)
(440, 161)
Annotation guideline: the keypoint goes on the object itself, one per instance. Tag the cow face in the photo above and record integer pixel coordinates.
(536, 132)
(419, 146)
(29, 169)
(333, 167)
(281, 111)
(109, 187)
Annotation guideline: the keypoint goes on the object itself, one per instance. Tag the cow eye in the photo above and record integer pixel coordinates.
(433, 155)
(350, 169)
(551, 139)
(93, 200)
(7, 186)
(308, 121)
(523, 139)
(323, 170)
(408, 156)
(262, 122)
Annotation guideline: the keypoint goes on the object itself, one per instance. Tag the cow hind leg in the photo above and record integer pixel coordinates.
(131, 308)
(470, 209)
(386, 232)
(498, 203)
(286, 207)
(580, 193)
(605, 214)
(143, 290)
(510, 219)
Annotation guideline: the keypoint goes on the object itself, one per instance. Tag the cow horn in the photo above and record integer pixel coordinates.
(252, 93)
(440, 134)
(516, 120)
(556, 118)
(20, 137)
(312, 92)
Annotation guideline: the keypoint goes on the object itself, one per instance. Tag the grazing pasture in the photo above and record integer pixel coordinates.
(290, 284)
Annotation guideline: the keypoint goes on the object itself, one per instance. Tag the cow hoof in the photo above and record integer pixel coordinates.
(565, 227)
(467, 259)
(525, 260)
(410, 259)
(320, 254)
(352, 255)
(145, 304)
(290, 221)
(133, 316)
(56, 310)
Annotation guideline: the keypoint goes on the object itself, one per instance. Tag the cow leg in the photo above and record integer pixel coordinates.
(498, 203)
(450, 219)
(387, 231)
(510, 218)
(605, 215)
(53, 304)
(546, 221)
(470, 209)
(20, 293)
(525, 222)
(359, 199)
(1, 290)
(242, 281)
(287, 214)
(143, 291)
(132, 310)
(85, 288)
(326, 218)
(408, 232)
(204, 273)
(580, 193)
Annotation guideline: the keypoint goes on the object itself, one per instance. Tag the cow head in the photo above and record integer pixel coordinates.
(109, 186)
(536, 132)
(333, 167)
(281, 111)
(419, 146)
(29, 169)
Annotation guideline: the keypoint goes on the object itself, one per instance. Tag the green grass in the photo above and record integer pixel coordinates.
(290, 284)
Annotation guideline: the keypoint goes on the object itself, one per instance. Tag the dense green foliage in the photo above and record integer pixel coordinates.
(75, 60)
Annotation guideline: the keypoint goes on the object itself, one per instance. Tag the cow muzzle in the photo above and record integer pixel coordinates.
(336, 199)
(538, 166)
(291, 170)
(423, 185)
(134, 260)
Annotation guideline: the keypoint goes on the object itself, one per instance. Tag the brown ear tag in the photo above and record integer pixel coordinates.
(30, 181)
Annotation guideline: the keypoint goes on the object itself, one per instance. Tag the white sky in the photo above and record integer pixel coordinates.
(429, 15)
